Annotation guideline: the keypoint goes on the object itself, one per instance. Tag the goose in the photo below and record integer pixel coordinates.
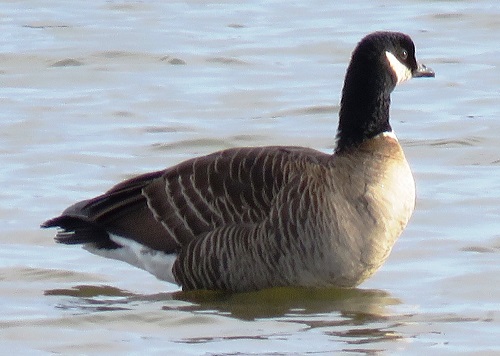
(250, 218)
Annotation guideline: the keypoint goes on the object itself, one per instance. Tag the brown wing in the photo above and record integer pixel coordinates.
(165, 210)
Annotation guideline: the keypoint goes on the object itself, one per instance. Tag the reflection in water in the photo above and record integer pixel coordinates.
(348, 314)
(357, 304)
(93, 298)
(291, 302)
(357, 316)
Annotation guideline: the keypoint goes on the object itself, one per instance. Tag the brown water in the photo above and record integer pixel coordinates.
(94, 92)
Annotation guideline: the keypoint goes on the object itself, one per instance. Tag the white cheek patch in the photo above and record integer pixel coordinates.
(402, 72)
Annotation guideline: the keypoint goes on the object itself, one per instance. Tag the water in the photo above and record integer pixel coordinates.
(95, 92)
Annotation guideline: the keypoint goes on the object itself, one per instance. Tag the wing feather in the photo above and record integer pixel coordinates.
(168, 209)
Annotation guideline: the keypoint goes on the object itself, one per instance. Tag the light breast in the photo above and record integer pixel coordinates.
(373, 198)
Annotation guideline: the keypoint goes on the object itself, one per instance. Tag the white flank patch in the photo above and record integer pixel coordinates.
(156, 262)
(403, 73)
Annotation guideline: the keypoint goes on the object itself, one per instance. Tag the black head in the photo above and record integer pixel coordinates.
(390, 52)
(380, 61)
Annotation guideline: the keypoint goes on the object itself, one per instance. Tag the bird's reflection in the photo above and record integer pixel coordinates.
(356, 304)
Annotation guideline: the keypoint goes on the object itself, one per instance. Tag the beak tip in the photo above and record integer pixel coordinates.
(423, 72)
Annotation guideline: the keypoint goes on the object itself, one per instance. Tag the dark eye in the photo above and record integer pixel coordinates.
(404, 54)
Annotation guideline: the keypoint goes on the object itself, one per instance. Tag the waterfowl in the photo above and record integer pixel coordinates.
(249, 218)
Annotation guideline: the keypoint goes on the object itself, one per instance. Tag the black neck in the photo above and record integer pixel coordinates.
(364, 108)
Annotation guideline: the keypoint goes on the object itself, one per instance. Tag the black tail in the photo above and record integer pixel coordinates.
(75, 230)
(122, 211)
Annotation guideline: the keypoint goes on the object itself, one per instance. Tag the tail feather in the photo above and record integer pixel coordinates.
(75, 230)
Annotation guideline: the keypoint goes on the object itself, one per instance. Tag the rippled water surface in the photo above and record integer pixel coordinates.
(94, 92)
